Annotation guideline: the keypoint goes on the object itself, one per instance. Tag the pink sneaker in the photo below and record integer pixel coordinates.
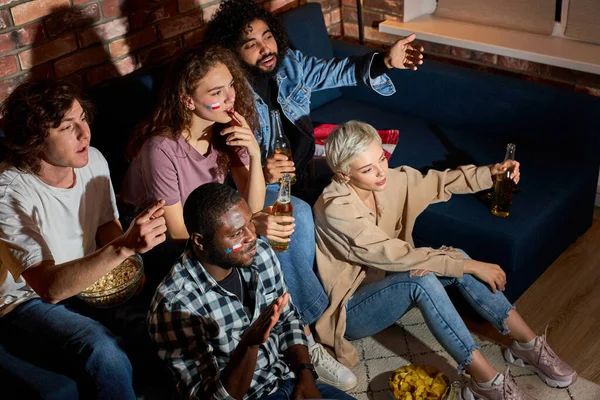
(507, 390)
(543, 361)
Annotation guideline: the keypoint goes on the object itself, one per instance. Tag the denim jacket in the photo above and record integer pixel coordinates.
(299, 75)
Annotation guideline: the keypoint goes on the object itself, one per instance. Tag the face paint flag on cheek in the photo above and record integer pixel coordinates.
(234, 249)
(214, 106)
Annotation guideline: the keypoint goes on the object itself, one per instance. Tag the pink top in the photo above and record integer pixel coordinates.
(170, 170)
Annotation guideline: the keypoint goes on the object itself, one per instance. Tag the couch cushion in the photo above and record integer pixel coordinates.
(311, 38)
(547, 213)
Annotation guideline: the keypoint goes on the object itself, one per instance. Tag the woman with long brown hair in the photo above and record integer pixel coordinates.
(201, 130)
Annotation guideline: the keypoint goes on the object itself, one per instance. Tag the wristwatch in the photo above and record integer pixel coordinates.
(309, 367)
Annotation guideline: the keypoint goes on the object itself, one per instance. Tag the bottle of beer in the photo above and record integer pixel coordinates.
(503, 188)
(282, 144)
(283, 206)
(455, 391)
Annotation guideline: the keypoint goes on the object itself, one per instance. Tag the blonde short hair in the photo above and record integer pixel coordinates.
(347, 142)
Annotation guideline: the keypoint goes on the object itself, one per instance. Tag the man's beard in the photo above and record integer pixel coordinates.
(256, 71)
(215, 257)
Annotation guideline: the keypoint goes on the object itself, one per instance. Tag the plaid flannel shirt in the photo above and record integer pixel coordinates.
(197, 325)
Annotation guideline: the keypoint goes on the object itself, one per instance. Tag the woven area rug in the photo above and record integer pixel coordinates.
(410, 341)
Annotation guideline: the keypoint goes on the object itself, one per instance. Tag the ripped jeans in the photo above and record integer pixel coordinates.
(375, 306)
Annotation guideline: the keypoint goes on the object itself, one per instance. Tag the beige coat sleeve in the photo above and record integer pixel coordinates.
(438, 186)
(367, 244)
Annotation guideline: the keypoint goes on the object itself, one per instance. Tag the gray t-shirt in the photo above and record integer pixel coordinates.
(40, 222)
(170, 170)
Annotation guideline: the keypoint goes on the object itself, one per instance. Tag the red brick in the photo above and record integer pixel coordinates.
(376, 36)
(175, 26)
(349, 3)
(149, 16)
(6, 2)
(521, 65)
(187, 5)
(159, 53)
(336, 15)
(477, 56)
(432, 48)
(24, 36)
(76, 18)
(389, 6)
(279, 6)
(587, 90)
(80, 60)
(335, 29)
(48, 51)
(578, 77)
(111, 70)
(8, 66)
(4, 19)
(128, 44)
(209, 11)
(104, 32)
(192, 38)
(80, 2)
(350, 30)
(35, 9)
(111, 8)
(327, 5)
(8, 85)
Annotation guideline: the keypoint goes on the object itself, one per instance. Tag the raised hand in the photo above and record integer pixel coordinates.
(277, 228)
(502, 167)
(240, 134)
(277, 165)
(259, 331)
(147, 230)
(404, 55)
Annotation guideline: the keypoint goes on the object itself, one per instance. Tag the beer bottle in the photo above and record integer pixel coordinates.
(503, 188)
(455, 391)
(283, 206)
(282, 144)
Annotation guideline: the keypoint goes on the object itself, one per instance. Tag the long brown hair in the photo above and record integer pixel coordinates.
(171, 118)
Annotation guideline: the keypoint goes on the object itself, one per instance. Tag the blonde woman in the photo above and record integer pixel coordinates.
(373, 273)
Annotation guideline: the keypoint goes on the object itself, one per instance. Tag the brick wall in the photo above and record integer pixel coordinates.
(89, 41)
(375, 11)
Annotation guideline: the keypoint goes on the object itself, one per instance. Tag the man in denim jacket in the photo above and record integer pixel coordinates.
(283, 79)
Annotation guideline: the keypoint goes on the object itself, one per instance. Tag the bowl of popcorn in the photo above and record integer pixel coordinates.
(117, 286)
(419, 382)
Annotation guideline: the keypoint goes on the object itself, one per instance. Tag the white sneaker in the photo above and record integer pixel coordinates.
(330, 370)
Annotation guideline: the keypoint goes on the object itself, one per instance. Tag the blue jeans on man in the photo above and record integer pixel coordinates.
(50, 341)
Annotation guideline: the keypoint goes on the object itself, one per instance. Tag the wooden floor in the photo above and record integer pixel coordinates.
(566, 298)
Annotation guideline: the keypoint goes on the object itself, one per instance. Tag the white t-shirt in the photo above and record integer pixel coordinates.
(40, 222)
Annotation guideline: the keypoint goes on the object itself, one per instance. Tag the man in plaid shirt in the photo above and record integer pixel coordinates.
(222, 319)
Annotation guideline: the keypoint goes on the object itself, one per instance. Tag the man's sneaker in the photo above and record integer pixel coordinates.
(543, 361)
(330, 370)
(507, 390)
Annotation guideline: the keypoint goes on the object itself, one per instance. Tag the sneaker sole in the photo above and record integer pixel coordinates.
(511, 359)
(344, 388)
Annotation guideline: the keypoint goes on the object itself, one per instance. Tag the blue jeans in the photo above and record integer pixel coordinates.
(377, 305)
(298, 261)
(328, 392)
(43, 340)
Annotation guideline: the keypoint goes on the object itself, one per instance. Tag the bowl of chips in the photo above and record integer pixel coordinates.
(419, 382)
(116, 286)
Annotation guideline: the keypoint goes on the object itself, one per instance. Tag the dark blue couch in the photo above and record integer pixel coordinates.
(447, 116)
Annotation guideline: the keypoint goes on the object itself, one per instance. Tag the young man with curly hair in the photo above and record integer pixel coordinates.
(283, 79)
(60, 233)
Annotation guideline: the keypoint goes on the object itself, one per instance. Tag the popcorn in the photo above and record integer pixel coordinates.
(418, 382)
(115, 287)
